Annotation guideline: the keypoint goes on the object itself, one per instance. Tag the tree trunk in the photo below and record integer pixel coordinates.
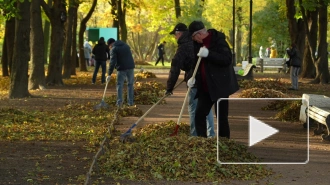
(37, 76)
(19, 74)
(121, 7)
(57, 16)
(9, 37)
(238, 35)
(82, 29)
(308, 68)
(177, 8)
(115, 22)
(322, 67)
(74, 57)
(4, 58)
(67, 62)
(46, 36)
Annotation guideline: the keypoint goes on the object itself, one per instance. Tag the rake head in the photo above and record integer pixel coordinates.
(127, 135)
(102, 105)
(175, 131)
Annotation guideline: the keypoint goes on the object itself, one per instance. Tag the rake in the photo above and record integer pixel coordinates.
(128, 133)
(185, 100)
(103, 104)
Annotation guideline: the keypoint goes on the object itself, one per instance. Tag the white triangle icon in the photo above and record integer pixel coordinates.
(259, 131)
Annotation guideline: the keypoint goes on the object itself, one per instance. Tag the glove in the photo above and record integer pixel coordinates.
(203, 52)
(108, 78)
(168, 93)
(287, 49)
(191, 82)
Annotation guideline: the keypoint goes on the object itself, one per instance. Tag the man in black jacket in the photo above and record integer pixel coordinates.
(101, 53)
(161, 53)
(295, 63)
(215, 78)
(121, 58)
(184, 60)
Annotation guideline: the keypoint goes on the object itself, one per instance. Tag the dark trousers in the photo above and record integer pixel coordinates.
(161, 57)
(203, 108)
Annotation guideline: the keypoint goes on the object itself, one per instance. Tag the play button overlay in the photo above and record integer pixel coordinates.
(259, 131)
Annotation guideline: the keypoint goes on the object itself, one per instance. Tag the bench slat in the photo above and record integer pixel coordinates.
(321, 111)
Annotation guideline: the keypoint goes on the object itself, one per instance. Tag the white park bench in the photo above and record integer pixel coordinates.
(318, 111)
(273, 63)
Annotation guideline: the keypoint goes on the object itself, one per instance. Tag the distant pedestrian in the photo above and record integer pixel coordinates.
(267, 53)
(121, 59)
(261, 52)
(273, 52)
(100, 52)
(161, 53)
(87, 52)
(295, 63)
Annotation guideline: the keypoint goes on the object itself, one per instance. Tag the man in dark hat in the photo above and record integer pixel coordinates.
(121, 59)
(215, 78)
(184, 60)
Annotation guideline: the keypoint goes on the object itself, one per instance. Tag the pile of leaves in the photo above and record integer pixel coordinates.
(85, 78)
(287, 110)
(154, 155)
(74, 122)
(273, 88)
(261, 93)
(130, 111)
(145, 93)
(145, 74)
(264, 83)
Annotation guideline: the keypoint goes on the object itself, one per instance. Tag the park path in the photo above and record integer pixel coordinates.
(316, 154)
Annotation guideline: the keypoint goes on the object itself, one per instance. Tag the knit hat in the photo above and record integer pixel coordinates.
(195, 26)
(110, 41)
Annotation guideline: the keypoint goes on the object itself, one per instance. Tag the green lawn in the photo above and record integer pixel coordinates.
(151, 65)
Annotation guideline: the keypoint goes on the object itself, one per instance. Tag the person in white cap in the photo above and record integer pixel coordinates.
(215, 78)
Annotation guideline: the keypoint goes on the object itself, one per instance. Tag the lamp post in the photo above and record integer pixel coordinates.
(234, 54)
(250, 34)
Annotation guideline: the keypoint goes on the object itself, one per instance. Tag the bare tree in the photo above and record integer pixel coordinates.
(320, 60)
(37, 76)
(67, 58)
(19, 74)
(7, 48)
(57, 16)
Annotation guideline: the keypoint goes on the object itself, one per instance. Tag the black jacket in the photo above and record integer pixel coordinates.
(121, 57)
(161, 49)
(101, 51)
(295, 58)
(182, 60)
(220, 75)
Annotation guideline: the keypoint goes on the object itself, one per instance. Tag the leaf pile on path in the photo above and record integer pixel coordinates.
(145, 74)
(264, 83)
(288, 110)
(273, 88)
(154, 155)
(262, 93)
(74, 122)
(145, 93)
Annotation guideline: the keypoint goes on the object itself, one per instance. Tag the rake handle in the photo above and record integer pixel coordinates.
(185, 99)
(105, 90)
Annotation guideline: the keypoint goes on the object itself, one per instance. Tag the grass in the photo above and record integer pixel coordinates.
(151, 65)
